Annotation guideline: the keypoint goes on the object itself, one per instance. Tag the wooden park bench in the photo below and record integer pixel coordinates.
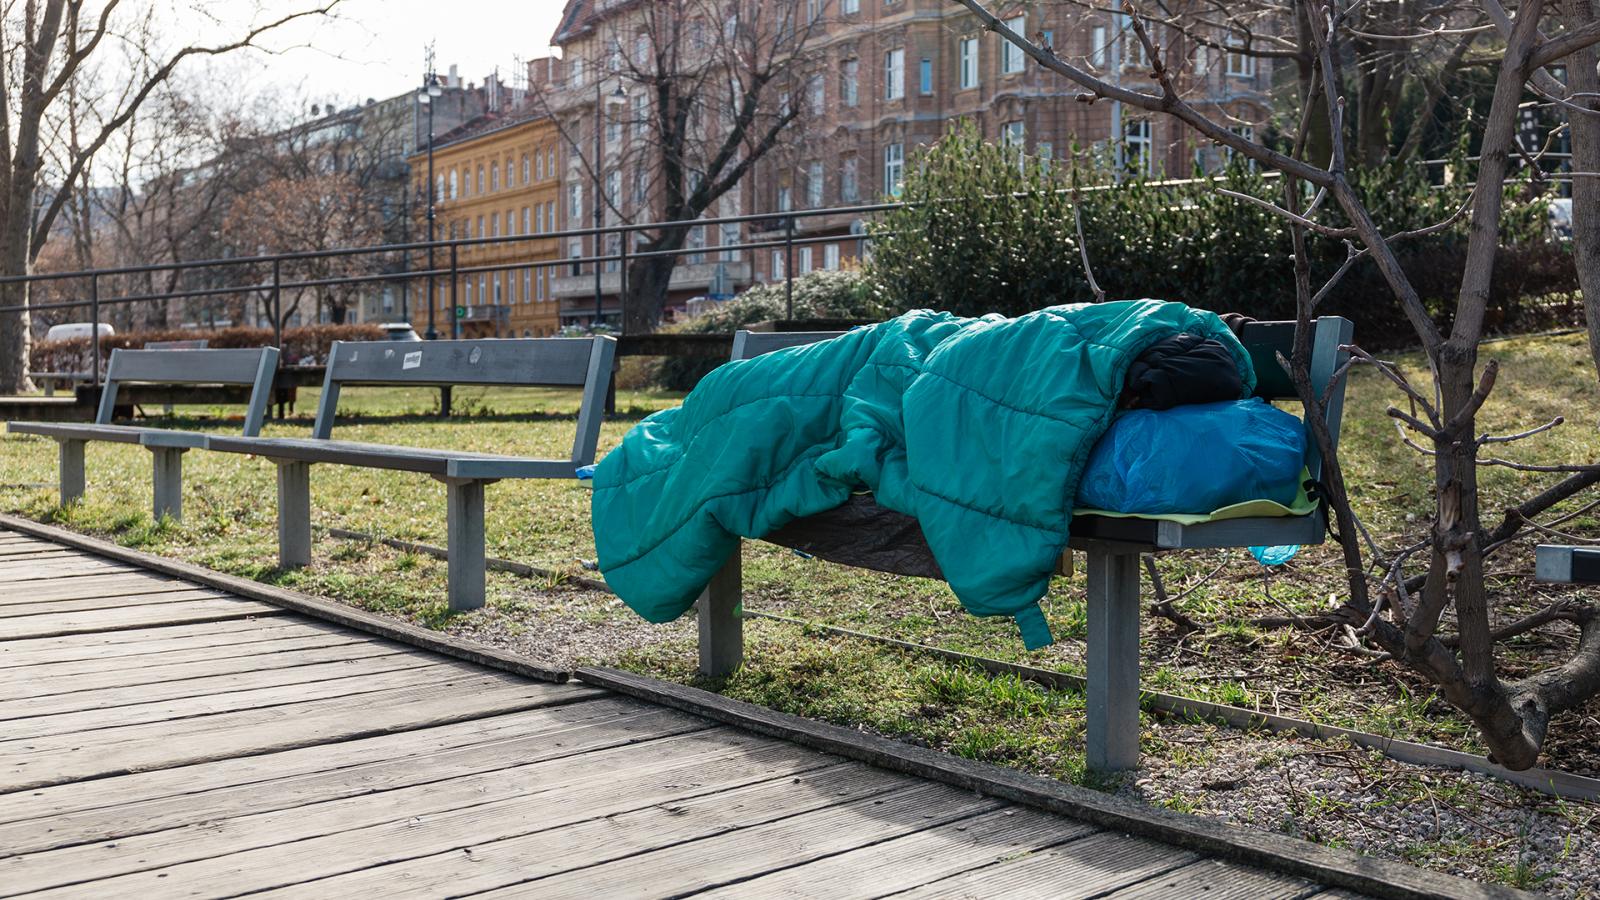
(539, 362)
(254, 368)
(1112, 545)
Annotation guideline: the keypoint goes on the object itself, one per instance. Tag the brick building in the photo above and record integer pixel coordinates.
(884, 78)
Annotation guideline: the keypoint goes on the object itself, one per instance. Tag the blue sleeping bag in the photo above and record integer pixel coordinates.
(1195, 459)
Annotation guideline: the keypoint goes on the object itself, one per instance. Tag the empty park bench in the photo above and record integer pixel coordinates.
(52, 380)
(863, 534)
(539, 362)
(254, 368)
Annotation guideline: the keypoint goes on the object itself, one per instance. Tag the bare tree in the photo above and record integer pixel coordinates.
(46, 46)
(713, 87)
(1401, 611)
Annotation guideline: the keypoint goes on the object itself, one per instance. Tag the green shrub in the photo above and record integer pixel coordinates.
(839, 294)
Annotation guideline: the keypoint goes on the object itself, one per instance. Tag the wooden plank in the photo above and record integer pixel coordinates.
(1217, 880)
(56, 607)
(913, 860)
(54, 679)
(316, 607)
(57, 760)
(109, 707)
(133, 617)
(488, 724)
(540, 836)
(398, 761)
(24, 571)
(120, 584)
(90, 725)
(1332, 867)
(1080, 869)
(686, 866)
(108, 646)
(295, 845)
(21, 553)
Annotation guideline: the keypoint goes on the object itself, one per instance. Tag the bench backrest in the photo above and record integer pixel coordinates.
(197, 344)
(1262, 340)
(518, 362)
(254, 367)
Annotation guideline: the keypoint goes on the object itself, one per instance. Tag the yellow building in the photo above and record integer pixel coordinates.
(496, 178)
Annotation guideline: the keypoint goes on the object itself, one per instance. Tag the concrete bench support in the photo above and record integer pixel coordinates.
(1112, 729)
(72, 478)
(294, 514)
(721, 622)
(466, 543)
(168, 482)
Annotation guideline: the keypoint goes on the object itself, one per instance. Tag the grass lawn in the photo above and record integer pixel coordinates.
(230, 526)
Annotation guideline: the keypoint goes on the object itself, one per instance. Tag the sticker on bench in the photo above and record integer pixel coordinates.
(412, 361)
(477, 354)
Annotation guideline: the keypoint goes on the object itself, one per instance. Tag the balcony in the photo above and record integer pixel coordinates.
(684, 278)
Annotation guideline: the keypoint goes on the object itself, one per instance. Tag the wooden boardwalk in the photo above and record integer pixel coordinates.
(158, 739)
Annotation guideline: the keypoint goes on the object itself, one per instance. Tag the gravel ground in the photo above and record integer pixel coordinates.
(1339, 795)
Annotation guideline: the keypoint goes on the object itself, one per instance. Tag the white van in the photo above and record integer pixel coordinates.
(72, 330)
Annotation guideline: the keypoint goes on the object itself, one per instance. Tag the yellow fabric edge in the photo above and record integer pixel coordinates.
(1303, 505)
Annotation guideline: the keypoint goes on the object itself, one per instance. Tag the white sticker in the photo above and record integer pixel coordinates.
(477, 354)
(412, 361)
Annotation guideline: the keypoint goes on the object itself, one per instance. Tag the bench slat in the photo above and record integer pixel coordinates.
(186, 366)
(442, 463)
(74, 431)
(533, 362)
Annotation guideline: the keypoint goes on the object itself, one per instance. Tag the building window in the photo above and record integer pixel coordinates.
(925, 82)
(527, 169)
(805, 262)
(527, 220)
(574, 202)
(849, 81)
(480, 233)
(641, 115)
(550, 216)
(483, 289)
(527, 285)
(1046, 152)
(729, 238)
(894, 73)
(697, 246)
(1133, 55)
(538, 165)
(849, 7)
(453, 184)
(814, 185)
(1240, 65)
(1248, 132)
(613, 129)
(638, 186)
(494, 224)
(438, 190)
(849, 181)
(614, 189)
(1137, 141)
(499, 289)
(778, 269)
(1097, 46)
(894, 169)
(968, 58)
(785, 199)
(1014, 137)
(830, 257)
(479, 188)
(1012, 59)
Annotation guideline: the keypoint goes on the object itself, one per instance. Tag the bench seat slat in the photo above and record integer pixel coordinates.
(75, 431)
(437, 462)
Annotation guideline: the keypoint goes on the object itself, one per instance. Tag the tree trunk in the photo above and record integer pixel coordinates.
(648, 282)
(1583, 80)
(15, 327)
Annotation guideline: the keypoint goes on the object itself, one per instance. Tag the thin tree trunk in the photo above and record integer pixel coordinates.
(648, 283)
(1585, 82)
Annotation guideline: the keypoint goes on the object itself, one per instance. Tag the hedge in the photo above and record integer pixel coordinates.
(307, 345)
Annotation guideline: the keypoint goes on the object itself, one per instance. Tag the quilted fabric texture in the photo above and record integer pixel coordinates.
(979, 428)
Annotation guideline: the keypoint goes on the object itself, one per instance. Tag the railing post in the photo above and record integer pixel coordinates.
(788, 269)
(277, 327)
(94, 325)
(455, 321)
(622, 281)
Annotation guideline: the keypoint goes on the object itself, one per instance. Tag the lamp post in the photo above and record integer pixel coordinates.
(601, 101)
(425, 94)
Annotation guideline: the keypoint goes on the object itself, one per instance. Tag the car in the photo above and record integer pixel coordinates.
(400, 331)
(74, 330)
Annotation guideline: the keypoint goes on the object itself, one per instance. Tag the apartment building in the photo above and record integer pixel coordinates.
(884, 78)
(495, 177)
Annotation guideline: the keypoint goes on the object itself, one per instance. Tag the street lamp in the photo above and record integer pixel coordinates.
(615, 98)
(425, 94)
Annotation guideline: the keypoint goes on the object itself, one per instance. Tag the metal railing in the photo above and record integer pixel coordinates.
(268, 283)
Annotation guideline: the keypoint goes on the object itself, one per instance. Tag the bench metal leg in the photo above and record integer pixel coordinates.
(721, 625)
(49, 386)
(466, 543)
(72, 479)
(294, 514)
(168, 482)
(1113, 659)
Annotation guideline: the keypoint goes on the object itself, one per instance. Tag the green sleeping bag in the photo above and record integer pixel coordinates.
(979, 428)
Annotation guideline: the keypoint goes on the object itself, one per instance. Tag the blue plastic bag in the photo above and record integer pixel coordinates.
(1195, 459)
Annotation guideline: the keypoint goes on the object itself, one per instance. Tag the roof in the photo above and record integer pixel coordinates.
(486, 124)
(575, 18)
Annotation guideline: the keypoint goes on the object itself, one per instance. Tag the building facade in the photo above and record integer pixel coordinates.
(881, 80)
(495, 178)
